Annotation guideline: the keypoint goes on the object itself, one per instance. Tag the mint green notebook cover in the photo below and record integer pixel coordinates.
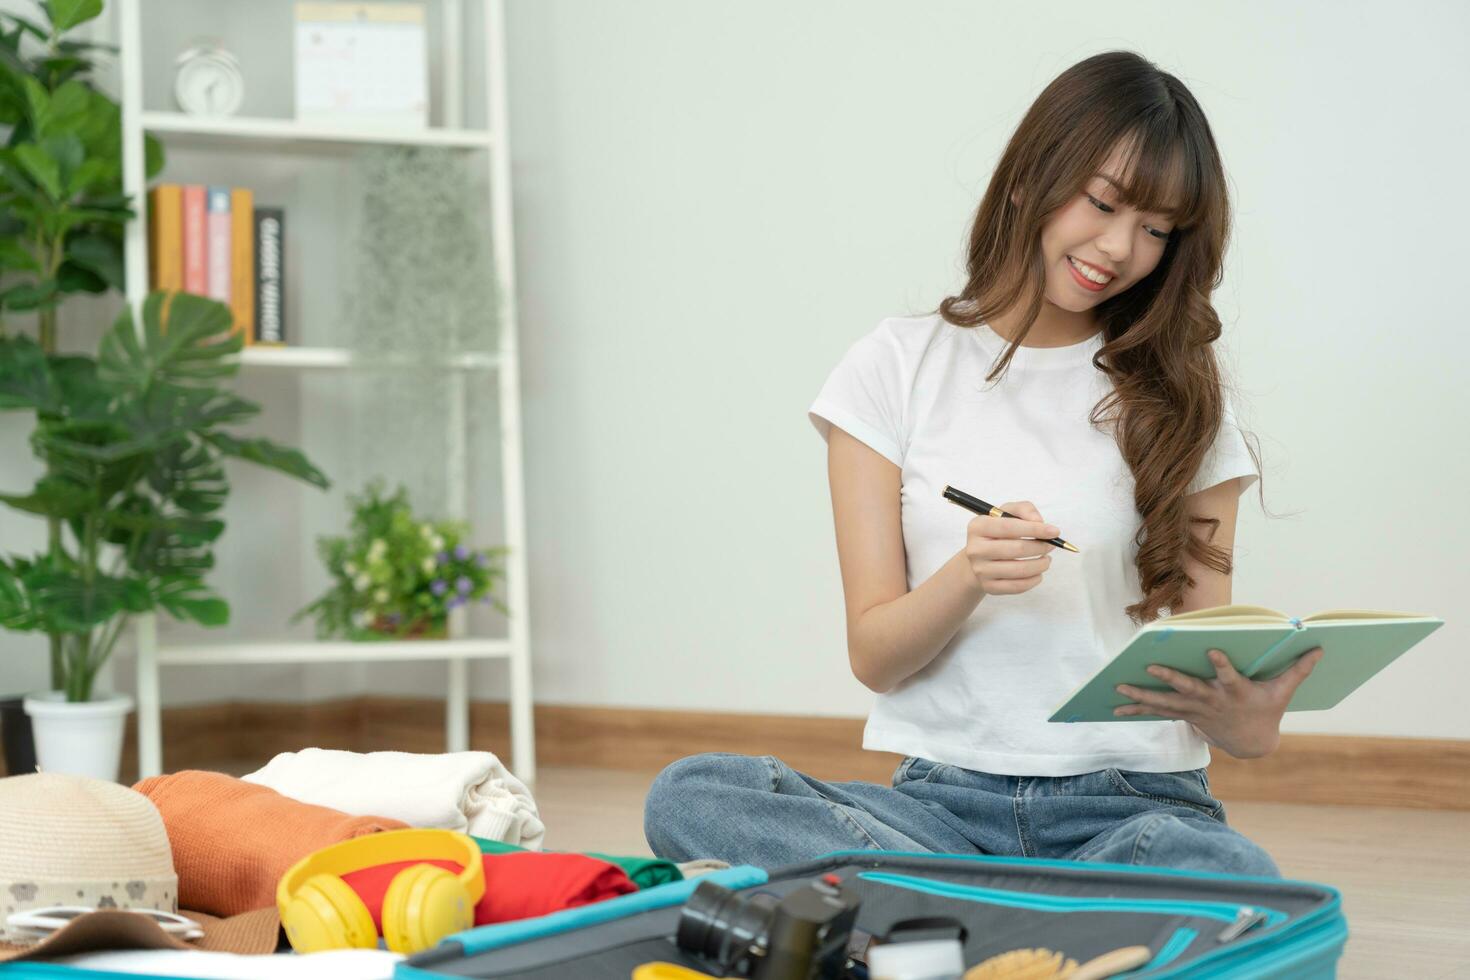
(1353, 651)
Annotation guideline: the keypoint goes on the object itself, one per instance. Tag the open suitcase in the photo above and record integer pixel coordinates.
(1195, 924)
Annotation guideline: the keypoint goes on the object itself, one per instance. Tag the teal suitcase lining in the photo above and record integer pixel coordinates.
(1080, 908)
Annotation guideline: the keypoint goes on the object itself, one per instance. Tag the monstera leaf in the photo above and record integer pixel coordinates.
(25, 381)
(189, 598)
(17, 611)
(184, 342)
(266, 453)
(134, 444)
(68, 603)
(55, 496)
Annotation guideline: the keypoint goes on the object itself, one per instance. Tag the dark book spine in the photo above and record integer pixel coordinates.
(270, 279)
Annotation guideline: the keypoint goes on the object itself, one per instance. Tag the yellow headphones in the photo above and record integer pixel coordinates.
(423, 904)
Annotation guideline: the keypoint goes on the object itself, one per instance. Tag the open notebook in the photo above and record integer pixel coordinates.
(1261, 643)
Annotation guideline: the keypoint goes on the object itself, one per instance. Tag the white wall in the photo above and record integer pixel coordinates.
(714, 201)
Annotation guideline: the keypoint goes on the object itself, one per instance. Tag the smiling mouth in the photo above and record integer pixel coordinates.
(1082, 277)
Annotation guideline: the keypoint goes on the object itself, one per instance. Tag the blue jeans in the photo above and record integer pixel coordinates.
(757, 810)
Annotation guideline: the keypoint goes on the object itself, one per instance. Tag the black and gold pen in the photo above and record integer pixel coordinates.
(989, 510)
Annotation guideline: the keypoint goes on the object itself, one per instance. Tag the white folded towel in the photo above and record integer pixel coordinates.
(702, 866)
(466, 791)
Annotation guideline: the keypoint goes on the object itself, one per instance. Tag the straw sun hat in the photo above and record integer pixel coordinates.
(73, 840)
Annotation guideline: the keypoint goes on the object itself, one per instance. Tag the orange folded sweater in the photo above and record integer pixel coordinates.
(232, 840)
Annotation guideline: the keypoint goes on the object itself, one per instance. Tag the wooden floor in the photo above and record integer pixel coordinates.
(1404, 874)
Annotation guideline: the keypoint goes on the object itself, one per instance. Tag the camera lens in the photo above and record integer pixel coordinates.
(721, 925)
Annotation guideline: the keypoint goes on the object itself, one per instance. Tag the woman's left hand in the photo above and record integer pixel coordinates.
(1239, 715)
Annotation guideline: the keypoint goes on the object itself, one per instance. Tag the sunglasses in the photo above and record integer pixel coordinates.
(54, 917)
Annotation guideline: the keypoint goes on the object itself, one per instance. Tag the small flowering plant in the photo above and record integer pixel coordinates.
(396, 576)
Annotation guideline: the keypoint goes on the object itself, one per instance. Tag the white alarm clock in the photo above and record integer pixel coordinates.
(208, 81)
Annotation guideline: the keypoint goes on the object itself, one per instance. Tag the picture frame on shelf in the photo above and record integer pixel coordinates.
(362, 64)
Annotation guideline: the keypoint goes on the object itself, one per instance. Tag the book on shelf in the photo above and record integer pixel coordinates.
(217, 247)
(242, 261)
(196, 269)
(270, 327)
(166, 237)
(206, 240)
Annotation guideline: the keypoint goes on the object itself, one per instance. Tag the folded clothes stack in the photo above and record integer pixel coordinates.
(643, 872)
(230, 840)
(517, 886)
(471, 792)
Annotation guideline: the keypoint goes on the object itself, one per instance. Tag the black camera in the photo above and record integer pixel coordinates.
(803, 936)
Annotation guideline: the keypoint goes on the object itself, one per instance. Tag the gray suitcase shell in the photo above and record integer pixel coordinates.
(1082, 909)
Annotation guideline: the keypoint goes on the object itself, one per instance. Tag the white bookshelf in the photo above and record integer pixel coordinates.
(305, 358)
(286, 136)
(339, 651)
(224, 131)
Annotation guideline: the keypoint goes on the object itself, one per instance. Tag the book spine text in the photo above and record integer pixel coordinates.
(270, 293)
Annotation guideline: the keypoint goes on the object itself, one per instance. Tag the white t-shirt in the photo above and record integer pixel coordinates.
(914, 389)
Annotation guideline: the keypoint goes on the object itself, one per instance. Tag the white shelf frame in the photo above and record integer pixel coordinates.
(330, 651)
(232, 129)
(263, 356)
(229, 134)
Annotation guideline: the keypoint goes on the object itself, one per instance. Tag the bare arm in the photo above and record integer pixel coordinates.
(892, 632)
(1211, 588)
(1230, 711)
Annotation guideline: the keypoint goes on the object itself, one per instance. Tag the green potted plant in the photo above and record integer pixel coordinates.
(396, 576)
(134, 442)
(62, 210)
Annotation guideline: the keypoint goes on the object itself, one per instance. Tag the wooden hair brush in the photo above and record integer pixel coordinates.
(1043, 964)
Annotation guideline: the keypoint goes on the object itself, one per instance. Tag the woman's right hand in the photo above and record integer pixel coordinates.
(1002, 559)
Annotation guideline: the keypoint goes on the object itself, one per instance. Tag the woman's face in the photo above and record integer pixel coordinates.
(1119, 246)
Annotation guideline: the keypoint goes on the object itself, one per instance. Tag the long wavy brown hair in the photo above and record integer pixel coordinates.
(1166, 406)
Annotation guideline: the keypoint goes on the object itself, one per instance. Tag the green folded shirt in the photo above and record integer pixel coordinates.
(643, 872)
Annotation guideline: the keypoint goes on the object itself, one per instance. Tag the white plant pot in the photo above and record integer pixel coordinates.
(83, 738)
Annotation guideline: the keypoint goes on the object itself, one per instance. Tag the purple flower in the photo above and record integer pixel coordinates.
(439, 586)
(464, 585)
(454, 602)
(481, 560)
(461, 552)
(442, 557)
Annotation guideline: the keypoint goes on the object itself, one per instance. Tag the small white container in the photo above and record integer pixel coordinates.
(83, 738)
(929, 959)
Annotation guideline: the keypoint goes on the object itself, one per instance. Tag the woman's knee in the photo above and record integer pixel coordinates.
(696, 777)
(1171, 841)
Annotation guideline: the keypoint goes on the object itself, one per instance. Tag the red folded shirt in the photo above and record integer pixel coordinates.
(517, 886)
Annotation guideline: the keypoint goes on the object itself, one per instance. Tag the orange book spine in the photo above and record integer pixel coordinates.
(166, 237)
(196, 243)
(242, 262)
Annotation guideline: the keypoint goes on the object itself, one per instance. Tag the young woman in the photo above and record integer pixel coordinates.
(1074, 370)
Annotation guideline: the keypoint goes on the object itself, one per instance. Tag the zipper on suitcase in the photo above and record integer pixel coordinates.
(1246, 918)
(1234, 915)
